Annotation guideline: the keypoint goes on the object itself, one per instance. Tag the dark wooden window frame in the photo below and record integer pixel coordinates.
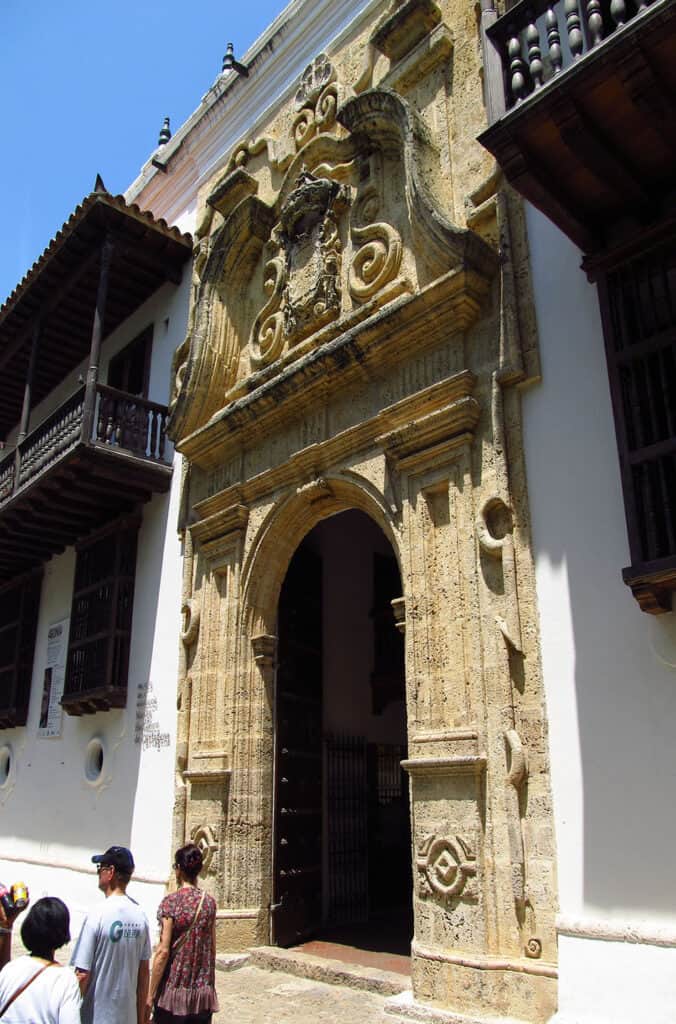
(142, 340)
(101, 619)
(17, 646)
(641, 359)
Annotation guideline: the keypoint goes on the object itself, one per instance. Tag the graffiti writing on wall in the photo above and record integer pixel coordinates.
(147, 729)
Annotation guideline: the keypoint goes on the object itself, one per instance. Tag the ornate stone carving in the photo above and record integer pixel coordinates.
(264, 649)
(317, 489)
(517, 774)
(286, 241)
(494, 529)
(399, 610)
(203, 836)
(316, 101)
(303, 279)
(447, 868)
(404, 26)
(378, 249)
(191, 622)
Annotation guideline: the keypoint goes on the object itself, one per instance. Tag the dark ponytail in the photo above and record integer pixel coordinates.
(189, 859)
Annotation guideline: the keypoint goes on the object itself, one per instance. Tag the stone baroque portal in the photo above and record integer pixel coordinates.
(359, 330)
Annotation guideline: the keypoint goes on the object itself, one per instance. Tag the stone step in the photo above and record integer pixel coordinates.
(331, 971)
(231, 961)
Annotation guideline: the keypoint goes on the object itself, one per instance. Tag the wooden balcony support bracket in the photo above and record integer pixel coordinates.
(525, 173)
(584, 140)
(649, 93)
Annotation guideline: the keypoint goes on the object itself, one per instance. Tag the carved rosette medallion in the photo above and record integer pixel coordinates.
(447, 869)
(203, 837)
(303, 278)
(316, 100)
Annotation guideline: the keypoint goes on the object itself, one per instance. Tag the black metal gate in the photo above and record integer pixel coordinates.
(368, 828)
(347, 792)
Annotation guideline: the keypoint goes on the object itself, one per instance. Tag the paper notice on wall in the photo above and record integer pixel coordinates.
(51, 712)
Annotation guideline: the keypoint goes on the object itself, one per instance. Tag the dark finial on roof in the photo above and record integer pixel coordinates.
(230, 64)
(99, 186)
(165, 133)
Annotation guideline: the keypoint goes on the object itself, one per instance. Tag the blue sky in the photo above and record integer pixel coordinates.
(84, 88)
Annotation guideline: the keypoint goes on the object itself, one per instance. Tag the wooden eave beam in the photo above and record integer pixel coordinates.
(650, 94)
(25, 529)
(47, 307)
(532, 181)
(586, 143)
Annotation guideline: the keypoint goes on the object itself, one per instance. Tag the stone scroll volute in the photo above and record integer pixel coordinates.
(307, 235)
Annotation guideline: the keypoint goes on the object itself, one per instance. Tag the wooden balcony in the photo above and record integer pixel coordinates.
(97, 456)
(581, 98)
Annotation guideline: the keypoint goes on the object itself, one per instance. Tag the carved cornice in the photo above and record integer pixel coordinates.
(463, 764)
(400, 31)
(220, 535)
(292, 247)
(264, 647)
(308, 469)
(208, 767)
(408, 325)
(420, 61)
(221, 523)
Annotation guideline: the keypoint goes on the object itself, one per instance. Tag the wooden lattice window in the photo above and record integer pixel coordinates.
(129, 370)
(639, 305)
(100, 623)
(19, 607)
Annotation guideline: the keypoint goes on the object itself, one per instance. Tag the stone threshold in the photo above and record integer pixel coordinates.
(326, 969)
(403, 1007)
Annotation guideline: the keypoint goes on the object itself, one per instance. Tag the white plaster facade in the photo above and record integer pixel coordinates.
(53, 817)
(609, 673)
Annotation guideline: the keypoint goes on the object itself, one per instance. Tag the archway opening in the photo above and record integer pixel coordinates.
(342, 841)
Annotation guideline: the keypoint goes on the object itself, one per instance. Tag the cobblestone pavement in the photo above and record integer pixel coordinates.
(250, 995)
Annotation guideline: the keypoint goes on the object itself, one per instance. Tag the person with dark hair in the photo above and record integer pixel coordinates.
(35, 988)
(182, 983)
(112, 952)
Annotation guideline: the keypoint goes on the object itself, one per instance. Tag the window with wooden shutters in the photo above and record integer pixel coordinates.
(100, 623)
(639, 307)
(19, 607)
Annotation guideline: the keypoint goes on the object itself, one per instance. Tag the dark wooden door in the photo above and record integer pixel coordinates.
(297, 898)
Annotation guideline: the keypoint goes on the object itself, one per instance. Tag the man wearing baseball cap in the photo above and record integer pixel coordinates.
(113, 949)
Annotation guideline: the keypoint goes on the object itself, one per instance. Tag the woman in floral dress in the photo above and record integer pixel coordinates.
(182, 979)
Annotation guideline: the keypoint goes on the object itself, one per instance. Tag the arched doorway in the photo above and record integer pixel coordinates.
(342, 845)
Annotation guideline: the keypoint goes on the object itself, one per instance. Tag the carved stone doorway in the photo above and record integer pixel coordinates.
(342, 843)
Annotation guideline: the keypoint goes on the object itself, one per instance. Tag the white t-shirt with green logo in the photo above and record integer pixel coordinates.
(113, 941)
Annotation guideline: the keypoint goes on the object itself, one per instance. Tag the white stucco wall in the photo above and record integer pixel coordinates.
(609, 669)
(52, 819)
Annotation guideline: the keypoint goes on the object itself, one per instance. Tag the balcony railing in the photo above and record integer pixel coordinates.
(49, 442)
(129, 422)
(120, 421)
(537, 40)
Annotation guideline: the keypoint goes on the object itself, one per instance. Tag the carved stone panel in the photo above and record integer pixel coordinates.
(446, 868)
(303, 278)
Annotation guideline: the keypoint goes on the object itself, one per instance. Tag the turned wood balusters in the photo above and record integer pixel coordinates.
(538, 41)
(121, 421)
